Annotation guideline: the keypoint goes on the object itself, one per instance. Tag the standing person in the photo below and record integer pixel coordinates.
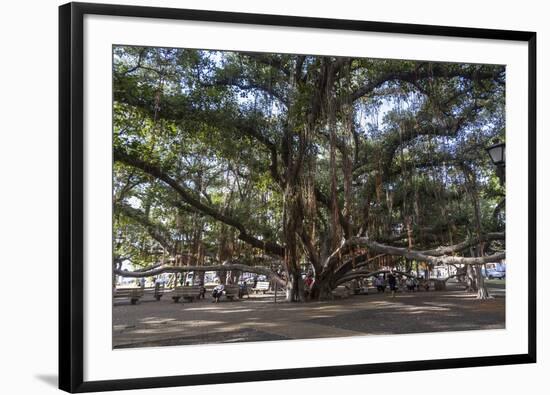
(202, 289)
(308, 282)
(307, 285)
(157, 292)
(392, 282)
(379, 283)
(410, 284)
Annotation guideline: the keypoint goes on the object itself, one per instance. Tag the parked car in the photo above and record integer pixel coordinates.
(495, 274)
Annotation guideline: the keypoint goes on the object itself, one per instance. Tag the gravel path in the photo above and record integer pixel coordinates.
(152, 323)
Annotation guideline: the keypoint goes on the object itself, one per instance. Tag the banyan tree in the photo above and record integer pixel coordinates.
(278, 164)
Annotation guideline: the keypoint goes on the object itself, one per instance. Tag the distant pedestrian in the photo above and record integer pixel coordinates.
(202, 289)
(411, 284)
(392, 282)
(379, 284)
(308, 282)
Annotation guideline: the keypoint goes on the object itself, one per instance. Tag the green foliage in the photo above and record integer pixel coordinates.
(212, 120)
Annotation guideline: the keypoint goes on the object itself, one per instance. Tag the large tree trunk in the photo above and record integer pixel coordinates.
(470, 279)
(322, 287)
(321, 291)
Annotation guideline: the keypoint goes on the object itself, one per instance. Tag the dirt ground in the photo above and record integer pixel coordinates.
(259, 318)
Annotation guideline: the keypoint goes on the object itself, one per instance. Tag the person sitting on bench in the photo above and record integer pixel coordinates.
(217, 292)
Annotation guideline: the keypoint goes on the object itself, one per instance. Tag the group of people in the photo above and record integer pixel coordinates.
(392, 281)
(380, 282)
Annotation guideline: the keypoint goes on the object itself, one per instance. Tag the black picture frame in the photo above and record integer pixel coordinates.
(71, 195)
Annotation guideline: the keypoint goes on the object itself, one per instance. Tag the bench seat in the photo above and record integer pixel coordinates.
(134, 294)
(261, 286)
(189, 293)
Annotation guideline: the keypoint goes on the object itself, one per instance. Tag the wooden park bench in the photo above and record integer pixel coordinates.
(261, 286)
(189, 293)
(232, 291)
(243, 290)
(134, 294)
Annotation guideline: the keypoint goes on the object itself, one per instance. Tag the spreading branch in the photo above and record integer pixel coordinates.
(446, 250)
(412, 76)
(155, 171)
(244, 85)
(436, 256)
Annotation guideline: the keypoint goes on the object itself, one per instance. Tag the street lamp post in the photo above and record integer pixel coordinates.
(497, 153)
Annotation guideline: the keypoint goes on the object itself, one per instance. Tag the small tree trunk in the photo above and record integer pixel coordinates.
(482, 291)
(470, 279)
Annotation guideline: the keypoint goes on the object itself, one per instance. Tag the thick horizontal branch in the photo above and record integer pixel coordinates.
(155, 271)
(446, 250)
(420, 255)
(144, 269)
(437, 256)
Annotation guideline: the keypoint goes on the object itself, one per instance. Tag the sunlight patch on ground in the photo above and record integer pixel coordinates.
(425, 308)
(206, 308)
(155, 320)
(461, 296)
(232, 311)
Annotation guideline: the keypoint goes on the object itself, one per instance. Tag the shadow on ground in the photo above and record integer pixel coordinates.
(166, 323)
